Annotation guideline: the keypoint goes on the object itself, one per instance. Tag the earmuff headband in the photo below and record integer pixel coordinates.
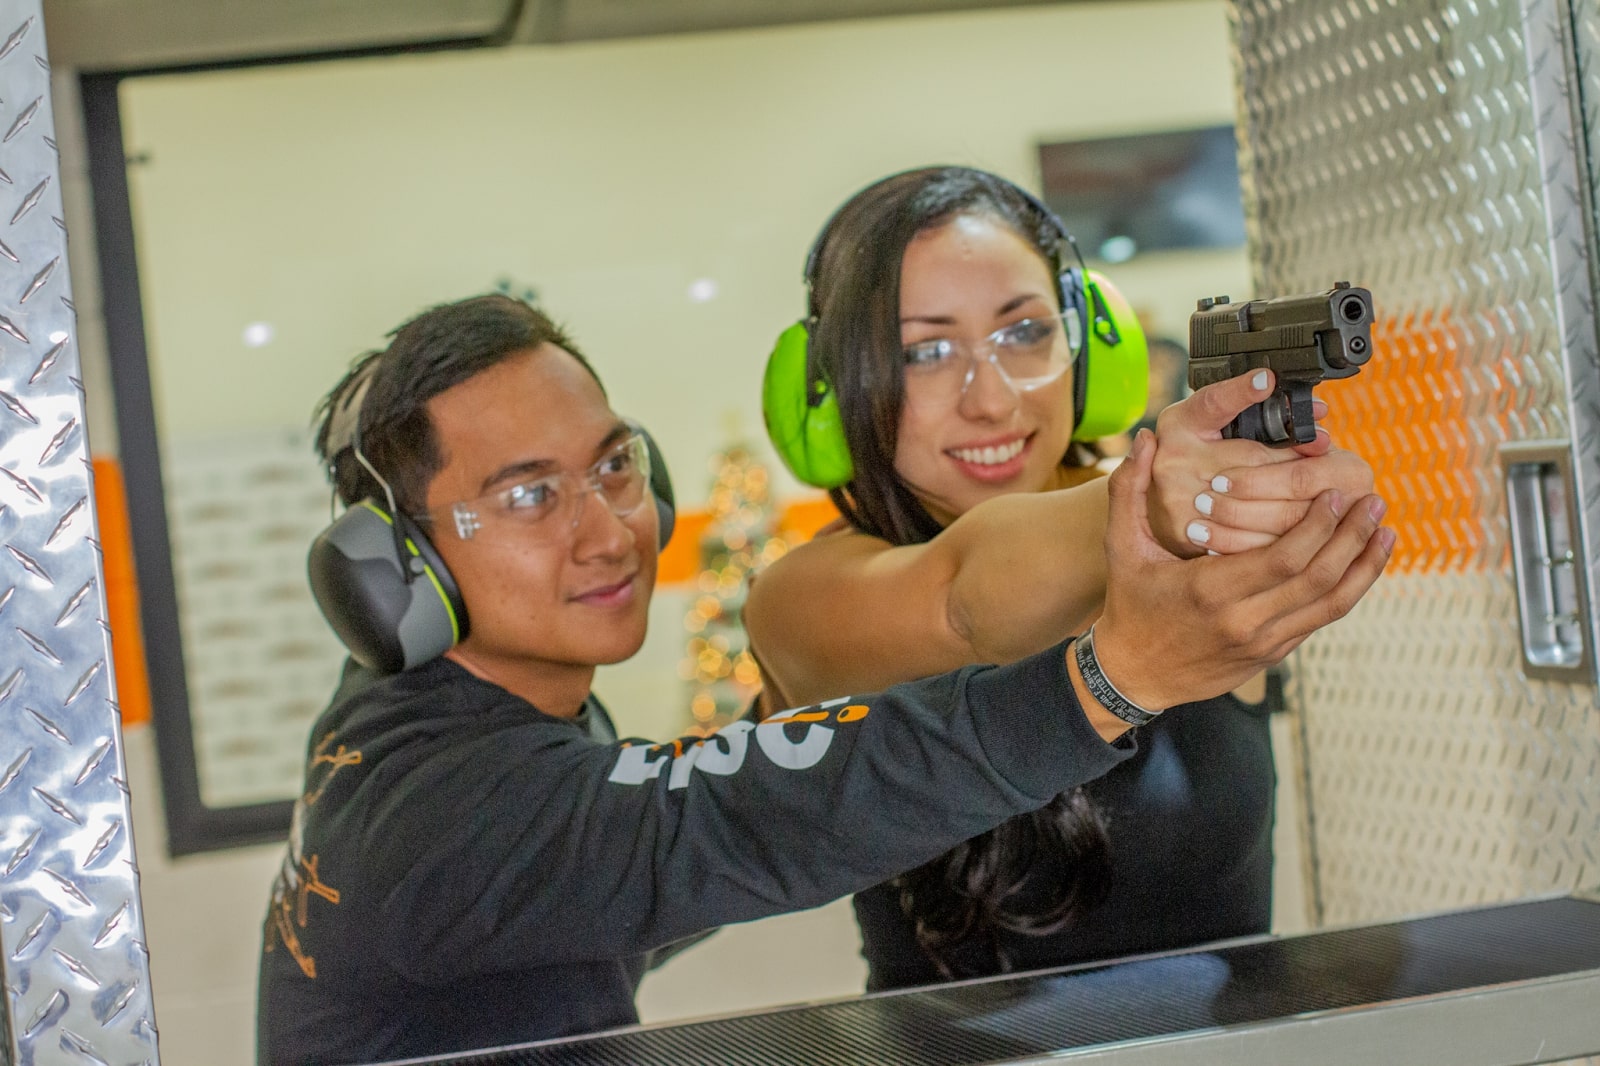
(344, 421)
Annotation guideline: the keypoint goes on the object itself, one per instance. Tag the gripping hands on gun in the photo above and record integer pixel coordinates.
(1301, 339)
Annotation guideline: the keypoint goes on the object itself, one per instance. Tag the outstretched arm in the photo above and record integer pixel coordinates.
(548, 848)
(1013, 575)
(849, 612)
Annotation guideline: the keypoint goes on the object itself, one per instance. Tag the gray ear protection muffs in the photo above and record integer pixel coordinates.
(391, 615)
(378, 579)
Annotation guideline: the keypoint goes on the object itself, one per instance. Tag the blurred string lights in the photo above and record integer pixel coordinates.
(741, 537)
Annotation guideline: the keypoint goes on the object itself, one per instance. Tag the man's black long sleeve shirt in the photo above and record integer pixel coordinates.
(465, 871)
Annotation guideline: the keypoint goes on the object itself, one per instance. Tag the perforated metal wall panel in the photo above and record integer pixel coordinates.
(71, 934)
(1431, 151)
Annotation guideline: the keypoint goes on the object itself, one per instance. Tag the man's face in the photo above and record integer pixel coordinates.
(572, 592)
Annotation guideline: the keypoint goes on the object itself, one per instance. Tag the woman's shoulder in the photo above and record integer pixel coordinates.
(812, 569)
(849, 612)
(1070, 477)
(838, 545)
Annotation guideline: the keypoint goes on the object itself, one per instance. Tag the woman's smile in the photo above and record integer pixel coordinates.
(994, 460)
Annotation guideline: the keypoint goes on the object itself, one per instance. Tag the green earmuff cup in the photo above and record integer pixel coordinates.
(803, 419)
(1115, 367)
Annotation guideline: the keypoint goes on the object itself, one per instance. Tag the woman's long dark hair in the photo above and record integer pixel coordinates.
(998, 881)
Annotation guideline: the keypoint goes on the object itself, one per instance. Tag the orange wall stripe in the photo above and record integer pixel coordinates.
(801, 519)
(681, 562)
(122, 592)
(1411, 414)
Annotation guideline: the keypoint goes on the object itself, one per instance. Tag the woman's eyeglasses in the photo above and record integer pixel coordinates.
(1028, 354)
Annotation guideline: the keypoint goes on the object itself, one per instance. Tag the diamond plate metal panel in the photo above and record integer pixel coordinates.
(1441, 777)
(1429, 151)
(71, 933)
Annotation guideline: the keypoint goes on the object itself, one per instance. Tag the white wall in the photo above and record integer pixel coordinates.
(333, 200)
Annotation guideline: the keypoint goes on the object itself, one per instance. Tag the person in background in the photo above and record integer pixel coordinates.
(1169, 363)
(952, 359)
(477, 860)
(1169, 370)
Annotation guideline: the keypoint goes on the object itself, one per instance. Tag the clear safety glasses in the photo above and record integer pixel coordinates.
(546, 507)
(1028, 354)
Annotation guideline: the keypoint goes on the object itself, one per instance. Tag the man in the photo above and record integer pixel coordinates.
(476, 861)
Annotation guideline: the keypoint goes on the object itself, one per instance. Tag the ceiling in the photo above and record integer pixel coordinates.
(127, 35)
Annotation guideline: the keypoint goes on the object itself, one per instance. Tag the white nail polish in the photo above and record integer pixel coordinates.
(1211, 551)
(1202, 503)
(1220, 484)
(1198, 532)
(1259, 382)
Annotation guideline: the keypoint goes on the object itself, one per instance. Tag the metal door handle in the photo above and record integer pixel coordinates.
(1552, 595)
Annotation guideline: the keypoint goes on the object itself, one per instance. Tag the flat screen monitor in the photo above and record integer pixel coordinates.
(1123, 196)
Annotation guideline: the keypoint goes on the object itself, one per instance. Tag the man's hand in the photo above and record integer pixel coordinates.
(1213, 494)
(1177, 630)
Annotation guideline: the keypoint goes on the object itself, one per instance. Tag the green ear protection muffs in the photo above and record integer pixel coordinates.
(378, 579)
(1111, 379)
(802, 414)
(1111, 375)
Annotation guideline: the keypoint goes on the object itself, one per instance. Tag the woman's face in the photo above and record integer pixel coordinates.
(966, 437)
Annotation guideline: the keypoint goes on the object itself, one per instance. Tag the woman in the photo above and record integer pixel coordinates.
(942, 321)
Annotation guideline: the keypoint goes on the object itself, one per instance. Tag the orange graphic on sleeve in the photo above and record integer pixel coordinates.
(288, 915)
(337, 761)
(298, 878)
(310, 883)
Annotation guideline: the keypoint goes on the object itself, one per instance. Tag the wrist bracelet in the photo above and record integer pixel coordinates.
(1101, 688)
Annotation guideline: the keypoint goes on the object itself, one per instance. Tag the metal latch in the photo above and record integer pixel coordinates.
(1552, 592)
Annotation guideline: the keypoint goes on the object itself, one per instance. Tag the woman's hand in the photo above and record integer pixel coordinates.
(1212, 494)
(1250, 507)
(1177, 630)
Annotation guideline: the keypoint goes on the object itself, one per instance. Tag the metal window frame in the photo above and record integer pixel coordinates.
(193, 826)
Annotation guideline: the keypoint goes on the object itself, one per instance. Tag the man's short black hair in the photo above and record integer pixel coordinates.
(433, 352)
